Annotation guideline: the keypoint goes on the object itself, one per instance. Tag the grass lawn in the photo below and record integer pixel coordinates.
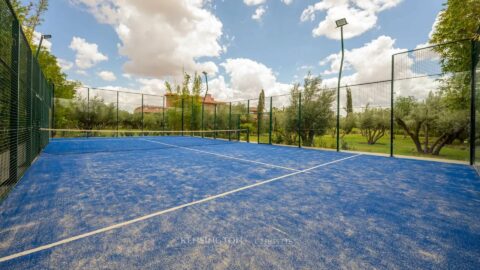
(402, 146)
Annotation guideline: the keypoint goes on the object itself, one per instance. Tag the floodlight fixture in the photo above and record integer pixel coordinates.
(341, 22)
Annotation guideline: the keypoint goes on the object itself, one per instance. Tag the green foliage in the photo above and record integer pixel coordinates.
(458, 20)
(433, 117)
(373, 123)
(316, 111)
(261, 102)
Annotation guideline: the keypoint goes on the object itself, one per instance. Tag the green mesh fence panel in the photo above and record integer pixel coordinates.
(25, 102)
(153, 112)
(284, 121)
(365, 117)
(476, 88)
(432, 101)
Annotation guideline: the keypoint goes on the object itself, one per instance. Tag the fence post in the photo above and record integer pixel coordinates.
(203, 112)
(191, 117)
(117, 112)
(271, 124)
(163, 114)
(258, 126)
(215, 122)
(230, 121)
(88, 111)
(299, 119)
(474, 51)
(28, 97)
(183, 115)
(14, 91)
(392, 113)
(248, 120)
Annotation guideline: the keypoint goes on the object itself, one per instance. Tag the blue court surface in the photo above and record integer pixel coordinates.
(184, 202)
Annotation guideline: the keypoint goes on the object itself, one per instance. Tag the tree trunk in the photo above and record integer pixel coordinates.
(413, 136)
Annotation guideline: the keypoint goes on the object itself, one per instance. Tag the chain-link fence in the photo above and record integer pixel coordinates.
(25, 102)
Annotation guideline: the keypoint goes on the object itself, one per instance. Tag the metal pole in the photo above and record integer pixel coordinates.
(163, 114)
(258, 125)
(143, 124)
(248, 120)
(88, 112)
(473, 101)
(271, 124)
(203, 101)
(117, 113)
(191, 117)
(53, 105)
(338, 92)
(215, 122)
(230, 121)
(183, 115)
(299, 119)
(392, 113)
(14, 91)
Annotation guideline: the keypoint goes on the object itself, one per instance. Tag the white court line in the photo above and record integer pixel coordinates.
(122, 224)
(225, 156)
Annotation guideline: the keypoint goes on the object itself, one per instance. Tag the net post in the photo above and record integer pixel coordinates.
(143, 123)
(299, 118)
(230, 121)
(14, 92)
(183, 114)
(392, 114)
(271, 124)
(474, 62)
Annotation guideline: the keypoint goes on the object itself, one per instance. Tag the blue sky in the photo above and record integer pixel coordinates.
(241, 54)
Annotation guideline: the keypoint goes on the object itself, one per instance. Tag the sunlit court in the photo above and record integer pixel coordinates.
(196, 144)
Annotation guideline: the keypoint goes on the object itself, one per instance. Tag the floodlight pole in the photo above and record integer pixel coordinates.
(338, 91)
(40, 44)
(203, 101)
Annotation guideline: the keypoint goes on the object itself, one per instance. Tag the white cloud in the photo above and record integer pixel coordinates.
(378, 68)
(107, 76)
(259, 12)
(254, 2)
(152, 86)
(173, 35)
(65, 65)
(248, 78)
(46, 44)
(287, 2)
(361, 15)
(81, 72)
(87, 54)
(127, 76)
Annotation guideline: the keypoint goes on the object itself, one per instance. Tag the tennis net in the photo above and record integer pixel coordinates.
(74, 141)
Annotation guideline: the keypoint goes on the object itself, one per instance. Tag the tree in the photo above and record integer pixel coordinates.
(316, 110)
(348, 122)
(261, 102)
(374, 123)
(430, 120)
(458, 20)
